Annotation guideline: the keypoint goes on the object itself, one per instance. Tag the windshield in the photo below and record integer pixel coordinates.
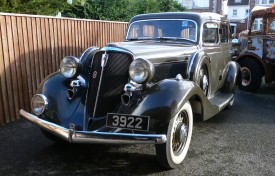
(163, 29)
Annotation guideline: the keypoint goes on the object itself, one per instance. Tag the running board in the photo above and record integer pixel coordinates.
(221, 100)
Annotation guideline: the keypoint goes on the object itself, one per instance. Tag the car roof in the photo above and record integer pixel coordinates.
(180, 15)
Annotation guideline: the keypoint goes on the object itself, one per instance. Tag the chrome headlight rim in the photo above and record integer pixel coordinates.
(44, 107)
(69, 66)
(149, 71)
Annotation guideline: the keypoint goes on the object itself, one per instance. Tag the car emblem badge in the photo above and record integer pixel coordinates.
(94, 74)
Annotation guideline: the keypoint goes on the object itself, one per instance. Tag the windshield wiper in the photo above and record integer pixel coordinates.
(174, 39)
(140, 38)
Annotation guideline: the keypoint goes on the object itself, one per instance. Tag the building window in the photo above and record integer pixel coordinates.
(235, 12)
(264, 2)
(238, 1)
(200, 3)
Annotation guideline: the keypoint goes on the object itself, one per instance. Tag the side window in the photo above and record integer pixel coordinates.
(271, 26)
(257, 24)
(210, 33)
(224, 35)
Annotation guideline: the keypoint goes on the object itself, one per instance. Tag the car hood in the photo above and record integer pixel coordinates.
(156, 52)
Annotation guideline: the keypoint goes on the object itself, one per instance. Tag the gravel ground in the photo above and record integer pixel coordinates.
(238, 141)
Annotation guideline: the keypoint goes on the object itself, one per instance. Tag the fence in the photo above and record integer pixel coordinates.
(31, 47)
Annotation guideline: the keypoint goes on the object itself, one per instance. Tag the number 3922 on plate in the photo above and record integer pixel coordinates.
(140, 123)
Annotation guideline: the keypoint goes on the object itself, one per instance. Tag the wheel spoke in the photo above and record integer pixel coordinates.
(180, 122)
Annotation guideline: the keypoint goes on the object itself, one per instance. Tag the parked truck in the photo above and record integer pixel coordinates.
(257, 49)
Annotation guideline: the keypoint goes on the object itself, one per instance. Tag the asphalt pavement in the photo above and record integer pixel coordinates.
(238, 141)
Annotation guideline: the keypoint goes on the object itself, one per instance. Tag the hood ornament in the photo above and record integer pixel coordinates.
(104, 59)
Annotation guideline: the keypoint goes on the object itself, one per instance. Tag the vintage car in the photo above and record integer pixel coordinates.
(257, 49)
(172, 66)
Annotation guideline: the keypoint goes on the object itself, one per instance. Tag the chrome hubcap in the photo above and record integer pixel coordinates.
(183, 133)
(180, 134)
(203, 81)
(246, 76)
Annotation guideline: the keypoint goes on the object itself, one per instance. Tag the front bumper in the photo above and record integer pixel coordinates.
(73, 136)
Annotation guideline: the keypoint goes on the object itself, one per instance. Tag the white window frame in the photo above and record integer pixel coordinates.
(264, 2)
(235, 12)
(200, 3)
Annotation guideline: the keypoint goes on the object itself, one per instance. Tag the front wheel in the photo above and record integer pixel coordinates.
(179, 132)
(251, 76)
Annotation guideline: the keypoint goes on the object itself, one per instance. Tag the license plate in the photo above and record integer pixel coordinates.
(140, 123)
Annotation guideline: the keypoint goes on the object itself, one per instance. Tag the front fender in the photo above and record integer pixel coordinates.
(163, 100)
(195, 62)
(61, 110)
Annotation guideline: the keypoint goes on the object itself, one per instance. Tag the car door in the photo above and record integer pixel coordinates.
(225, 47)
(269, 43)
(211, 46)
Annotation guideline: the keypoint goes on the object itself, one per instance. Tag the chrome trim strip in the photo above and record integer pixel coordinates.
(74, 136)
(164, 19)
(104, 60)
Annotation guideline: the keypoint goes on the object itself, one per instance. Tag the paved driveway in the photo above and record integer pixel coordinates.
(239, 141)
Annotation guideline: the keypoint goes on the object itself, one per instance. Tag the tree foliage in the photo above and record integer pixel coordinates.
(118, 10)
(37, 7)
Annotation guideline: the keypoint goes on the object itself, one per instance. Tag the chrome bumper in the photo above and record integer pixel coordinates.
(73, 136)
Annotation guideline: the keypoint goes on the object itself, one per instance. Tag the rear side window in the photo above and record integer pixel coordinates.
(224, 33)
(271, 25)
(257, 24)
(210, 33)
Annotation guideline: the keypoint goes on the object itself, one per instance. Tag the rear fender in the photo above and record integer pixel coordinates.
(233, 76)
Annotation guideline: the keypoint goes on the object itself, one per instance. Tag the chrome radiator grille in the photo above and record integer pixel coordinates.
(104, 95)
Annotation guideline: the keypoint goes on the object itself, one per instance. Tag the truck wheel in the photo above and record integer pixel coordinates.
(52, 137)
(251, 76)
(179, 132)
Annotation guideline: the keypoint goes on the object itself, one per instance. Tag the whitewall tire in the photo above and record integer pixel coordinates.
(179, 132)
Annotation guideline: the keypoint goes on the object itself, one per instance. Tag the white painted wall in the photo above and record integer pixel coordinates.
(241, 12)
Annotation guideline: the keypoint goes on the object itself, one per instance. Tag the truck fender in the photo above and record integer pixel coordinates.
(254, 57)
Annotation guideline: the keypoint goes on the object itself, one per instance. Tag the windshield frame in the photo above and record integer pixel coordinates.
(164, 19)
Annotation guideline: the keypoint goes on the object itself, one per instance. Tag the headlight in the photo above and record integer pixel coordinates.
(39, 104)
(68, 66)
(141, 70)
